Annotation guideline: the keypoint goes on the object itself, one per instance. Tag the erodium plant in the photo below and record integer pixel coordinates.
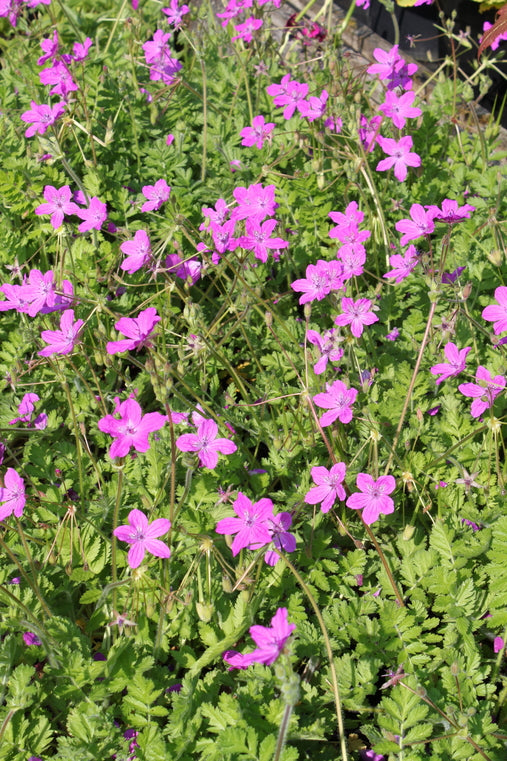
(253, 364)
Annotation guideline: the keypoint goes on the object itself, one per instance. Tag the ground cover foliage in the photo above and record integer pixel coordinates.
(253, 392)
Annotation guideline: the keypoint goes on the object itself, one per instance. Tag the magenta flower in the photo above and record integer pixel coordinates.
(368, 132)
(270, 641)
(498, 314)
(49, 47)
(247, 29)
(315, 107)
(175, 13)
(138, 251)
(288, 93)
(184, 268)
(498, 644)
(451, 212)
(80, 50)
(205, 442)
(62, 341)
(251, 526)
(59, 76)
(329, 486)
(357, 314)
(94, 216)
(29, 638)
(25, 409)
(58, 203)
(42, 117)
(12, 495)
(254, 201)
(483, 393)
(400, 156)
(327, 345)
(421, 223)
(156, 194)
(403, 265)
(141, 535)
(455, 365)
(137, 329)
(258, 133)
(399, 108)
(351, 216)
(258, 239)
(131, 429)
(386, 62)
(372, 499)
(338, 399)
(321, 279)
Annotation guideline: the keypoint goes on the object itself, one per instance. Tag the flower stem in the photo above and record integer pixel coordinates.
(386, 565)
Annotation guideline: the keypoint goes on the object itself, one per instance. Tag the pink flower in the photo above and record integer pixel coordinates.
(175, 13)
(30, 638)
(321, 279)
(42, 117)
(257, 238)
(12, 495)
(59, 76)
(357, 314)
(399, 108)
(498, 314)
(421, 223)
(315, 107)
(501, 37)
(484, 394)
(49, 47)
(251, 525)
(80, 50)
(62, 341)
(373, 499)
(327, 346)
(94, 216)
(451, 212)
(138, 252)
(156, 194)
(455, 365)
(329, 486)
(368, 132)
(351, 216)
(137, 329)
(132, 429)
(247, 29)
(58, 204)
(254, 201)
(141, 535)
(270, 641)
(258, 133)
(498, 644)
(184, 269)
(338, 399)
(403, 265)
(205, 442)
(288, 93)
(400, 156)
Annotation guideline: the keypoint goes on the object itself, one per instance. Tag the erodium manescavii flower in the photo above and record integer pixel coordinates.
(270, 641)
(455, 364)
(12, 495)
(484, 392)
(373, 497)
(141, 536)
(338, 400)
(131, 429)
(251, 524)
(206, 443)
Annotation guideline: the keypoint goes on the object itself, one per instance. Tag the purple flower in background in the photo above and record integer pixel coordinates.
(281, 537)
(25, 409)
(368, 132)
(137, 329)
(31, 639)
(251, 526)
(175, 13)
(498, 644)
(247, 29)
(450, 277)
(327, 346)
(142, 536)
(393, 335)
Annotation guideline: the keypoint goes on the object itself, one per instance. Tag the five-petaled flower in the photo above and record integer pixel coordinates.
(156, 194)
(137, 329)
(270, 641)
(498, 313)
(251, 526)
(357, 314)
(93, 217)
(338, 399)
(329, 486)
(141, 535)
(400, 156)
(206, 444)
(373, 497)
(41, 117)
(483, 393)
(131, 429)
(455, 365)
(58, 204)
(12, 495)
(62, 341)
